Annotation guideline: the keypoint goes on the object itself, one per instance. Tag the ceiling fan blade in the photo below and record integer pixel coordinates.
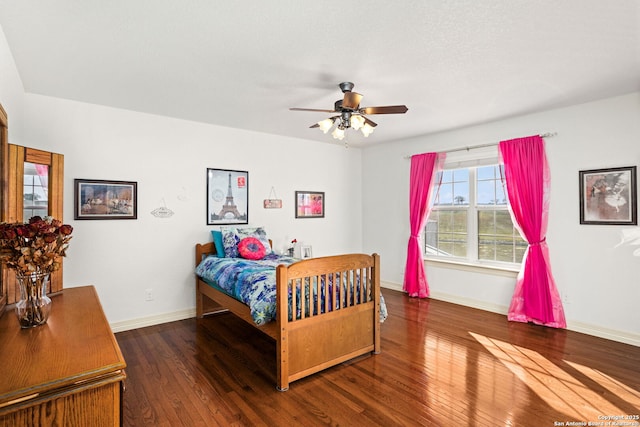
(369, 122)
(351, 100)
(389, 109)
(312, 109)
(317, 124)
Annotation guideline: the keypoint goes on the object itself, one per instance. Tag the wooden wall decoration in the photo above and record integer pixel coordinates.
(14, 203)
(4, 141)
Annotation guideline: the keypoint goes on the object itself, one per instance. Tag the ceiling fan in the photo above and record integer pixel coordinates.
(351, 115)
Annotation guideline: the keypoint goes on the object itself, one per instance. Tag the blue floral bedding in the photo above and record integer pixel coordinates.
(251, 282)
(254, 284)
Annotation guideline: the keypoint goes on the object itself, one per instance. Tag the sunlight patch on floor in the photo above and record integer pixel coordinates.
(621, 390)
(557, 387)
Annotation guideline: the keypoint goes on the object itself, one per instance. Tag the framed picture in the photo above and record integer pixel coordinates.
(272, 203)
(101, 199)
(306, 252)
(309, 204)
(227, 197)
(608, 196)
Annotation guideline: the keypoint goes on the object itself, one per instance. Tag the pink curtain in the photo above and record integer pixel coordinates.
(424, 168)
(43, 175)
(526, 172)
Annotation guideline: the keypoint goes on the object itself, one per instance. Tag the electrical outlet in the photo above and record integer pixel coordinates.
(148, 294)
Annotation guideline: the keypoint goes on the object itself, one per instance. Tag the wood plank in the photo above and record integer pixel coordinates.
(41, 157)
(15, 184)
(4, 177)
(103, 402)
(314, 347)
(14, 210)
(56, 186)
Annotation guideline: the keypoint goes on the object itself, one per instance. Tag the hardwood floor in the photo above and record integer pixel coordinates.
(441, 364)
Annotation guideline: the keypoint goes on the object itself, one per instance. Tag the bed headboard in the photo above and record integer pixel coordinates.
(203, 250)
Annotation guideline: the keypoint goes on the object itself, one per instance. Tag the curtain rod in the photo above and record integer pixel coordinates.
(491, 144)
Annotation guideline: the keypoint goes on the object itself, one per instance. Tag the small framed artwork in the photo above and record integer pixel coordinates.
(272, 203)
(102, 199)
(306, 252)
(309, 204)
(227, 197)
(608, 196)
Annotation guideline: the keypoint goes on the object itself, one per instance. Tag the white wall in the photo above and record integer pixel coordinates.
(599, 283)
(11, 91)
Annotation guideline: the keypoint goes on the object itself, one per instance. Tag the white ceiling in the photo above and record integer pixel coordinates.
(242, 64)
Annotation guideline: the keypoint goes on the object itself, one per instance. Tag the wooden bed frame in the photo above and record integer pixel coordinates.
(316, 341)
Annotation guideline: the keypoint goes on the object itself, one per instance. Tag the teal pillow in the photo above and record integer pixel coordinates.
(217, 242)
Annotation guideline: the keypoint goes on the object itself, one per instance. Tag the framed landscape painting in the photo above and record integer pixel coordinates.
(608, 196)
(102, 199)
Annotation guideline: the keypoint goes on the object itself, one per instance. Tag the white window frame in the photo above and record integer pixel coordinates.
(472, 222)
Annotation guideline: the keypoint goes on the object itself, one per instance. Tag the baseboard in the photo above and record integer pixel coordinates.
(153, 320)
(391, 285)
(584, 328)
(610, 334)
(469, 302)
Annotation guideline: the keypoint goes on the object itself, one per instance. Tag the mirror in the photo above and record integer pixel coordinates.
(36, 190)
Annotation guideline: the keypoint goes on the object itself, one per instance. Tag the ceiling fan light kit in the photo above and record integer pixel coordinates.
(351, 115)
(325, 125)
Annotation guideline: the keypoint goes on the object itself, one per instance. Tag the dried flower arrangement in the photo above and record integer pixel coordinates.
(33, 250)
(35, 246)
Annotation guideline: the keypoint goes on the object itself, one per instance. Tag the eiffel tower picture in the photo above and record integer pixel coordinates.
(232, 208)
(229, 209)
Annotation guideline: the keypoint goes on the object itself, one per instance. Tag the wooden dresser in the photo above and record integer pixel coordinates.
(68, 372)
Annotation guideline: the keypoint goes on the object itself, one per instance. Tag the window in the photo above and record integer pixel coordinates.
(470, 220)
(36, 186)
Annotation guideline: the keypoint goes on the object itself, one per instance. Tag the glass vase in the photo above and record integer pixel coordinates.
(34, 306)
